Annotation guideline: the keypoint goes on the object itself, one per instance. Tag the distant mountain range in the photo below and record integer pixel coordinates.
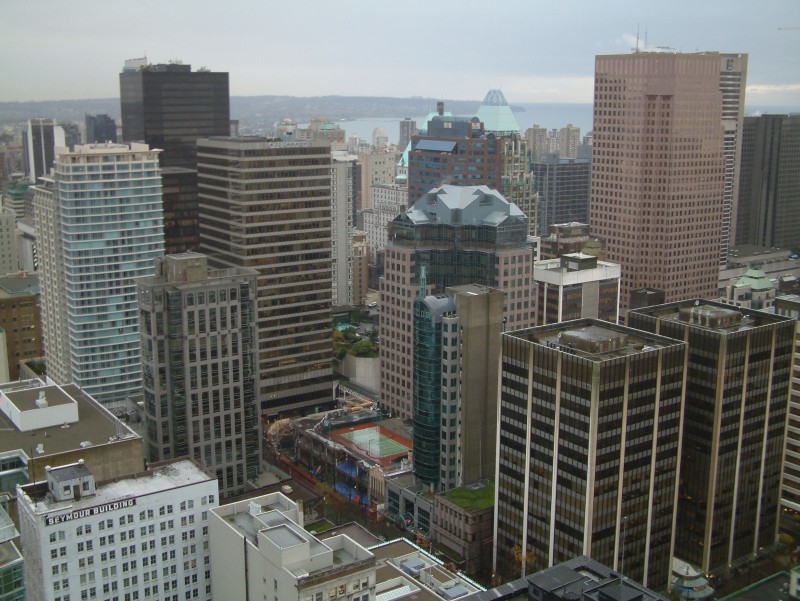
(256, 112)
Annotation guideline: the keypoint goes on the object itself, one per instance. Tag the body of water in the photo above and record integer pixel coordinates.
(551, 116)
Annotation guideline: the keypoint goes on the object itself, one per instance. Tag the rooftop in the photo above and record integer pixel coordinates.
(585, 578)
(773, 588)
(712, 315)
(477, 496)
(463, 205)
(593, 339)
(161, 477)
(95, 424)
(22, 284)
(496, 115)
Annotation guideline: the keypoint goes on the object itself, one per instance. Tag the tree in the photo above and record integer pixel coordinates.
(524, 561)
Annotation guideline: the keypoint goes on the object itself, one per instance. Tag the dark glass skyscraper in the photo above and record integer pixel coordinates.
(769, 184)
(171, 106)
(100, 128)
(563, 187)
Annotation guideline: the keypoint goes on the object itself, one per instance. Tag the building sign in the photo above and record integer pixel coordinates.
(84, 513)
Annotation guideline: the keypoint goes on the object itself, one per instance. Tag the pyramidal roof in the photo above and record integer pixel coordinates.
(496, 115)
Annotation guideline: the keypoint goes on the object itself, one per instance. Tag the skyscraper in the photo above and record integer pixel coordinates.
(408, 128)
(461, 235)
(456, 343)
(100, 128)
(770, 182)
(40, 142)
(342, 229)
(198, 362)
(266, 204)
(99, 223)
(732, 84)
(453, 151)
(588, 447)
(563, 187)
(170, 106)
(737, 394)
(658, 170)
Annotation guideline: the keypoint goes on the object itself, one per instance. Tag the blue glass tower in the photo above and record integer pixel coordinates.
(100, 224)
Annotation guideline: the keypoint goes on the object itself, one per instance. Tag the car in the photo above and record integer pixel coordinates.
(372, 305)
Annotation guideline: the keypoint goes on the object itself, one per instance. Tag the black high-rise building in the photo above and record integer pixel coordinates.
(563, 188)
(769, 181)
(100, 128)
(170, 106)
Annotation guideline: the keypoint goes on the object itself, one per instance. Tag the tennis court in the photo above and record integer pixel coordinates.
(374, 443)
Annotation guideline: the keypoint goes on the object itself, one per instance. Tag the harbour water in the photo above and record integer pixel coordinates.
(551, 116)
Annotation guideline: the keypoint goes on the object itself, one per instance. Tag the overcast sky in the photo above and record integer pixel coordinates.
(534, 50)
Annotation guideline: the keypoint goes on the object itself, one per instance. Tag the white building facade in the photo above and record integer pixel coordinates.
(260, 551)
(137, 538)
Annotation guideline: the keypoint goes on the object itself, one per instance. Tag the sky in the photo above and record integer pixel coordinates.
(534, 50)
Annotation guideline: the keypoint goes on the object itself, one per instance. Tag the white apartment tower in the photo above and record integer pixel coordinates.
(99, 223)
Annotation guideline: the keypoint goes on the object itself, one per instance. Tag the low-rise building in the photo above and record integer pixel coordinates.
(44, 424)
(260, 550)
(463, 525)
(21, 319)
(144, 536)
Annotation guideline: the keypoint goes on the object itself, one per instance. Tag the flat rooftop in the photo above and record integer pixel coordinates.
(474, 497)
(773, 588)
(95, 424)
(593, 339)
(161, 478)
(712, 316)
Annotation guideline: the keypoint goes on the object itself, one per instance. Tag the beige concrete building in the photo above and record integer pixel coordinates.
(658, 171)
(266, 204)
(463, 235)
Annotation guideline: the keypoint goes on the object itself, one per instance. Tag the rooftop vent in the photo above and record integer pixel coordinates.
(41, 402)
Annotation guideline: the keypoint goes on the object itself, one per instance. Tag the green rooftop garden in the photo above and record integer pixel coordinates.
(473, 496)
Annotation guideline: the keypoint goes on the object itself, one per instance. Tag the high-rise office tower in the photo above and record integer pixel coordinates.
(100, 128)
(408, 128)
(198, 364)
(170, 106)
(456, 345)
(563, 186)
(732, 83)
(40, 142)
(179, 191)
(737, 389)
(788, 305)
(9, 260)
(575, 286)
(266, 204)
(342, 229)
(99, 224)
(658, 170)
(769, 189)
(588, 447)
(461, 235)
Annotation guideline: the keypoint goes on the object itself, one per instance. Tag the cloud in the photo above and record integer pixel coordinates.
(778, 88)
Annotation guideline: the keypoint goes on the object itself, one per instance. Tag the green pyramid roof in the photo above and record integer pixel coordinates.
(496, 115)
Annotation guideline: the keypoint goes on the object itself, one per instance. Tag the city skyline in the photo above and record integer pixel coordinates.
(550, 61)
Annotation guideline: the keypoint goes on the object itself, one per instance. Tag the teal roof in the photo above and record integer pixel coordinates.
(755, 279)
(431, 115)
(496, 115)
